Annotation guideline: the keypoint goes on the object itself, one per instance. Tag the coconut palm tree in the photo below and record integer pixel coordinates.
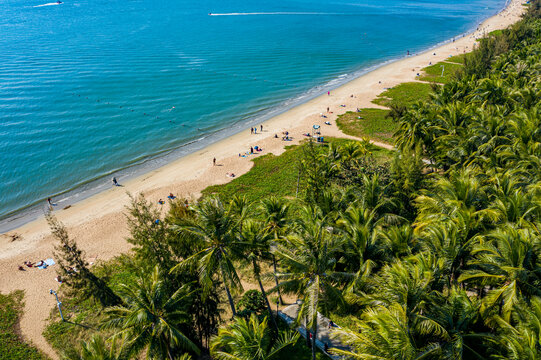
(521, 341)
(95, 349)
(214, 228)
(405, 283)
(277, 218)
(152, 318)
(446, 240)
(454, 317)
(254, 246)
(241, 208)
(361, 246)
(250, 340)
(385, 333)
(308, 259)
(509, 261)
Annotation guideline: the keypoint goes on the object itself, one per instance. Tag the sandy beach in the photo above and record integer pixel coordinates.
(99, 224)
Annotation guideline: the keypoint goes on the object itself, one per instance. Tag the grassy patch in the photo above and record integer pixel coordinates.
(433, 73)
(270, 175)
(273, 175)
(369, 122)
(457, 59)
(12, 346)
(404, 94)
(496, 32)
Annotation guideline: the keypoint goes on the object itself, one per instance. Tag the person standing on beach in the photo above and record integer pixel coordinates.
(50, 203)
(251, 130)
(328, 93)
(261, 128)
(115, 183)
(214, 162)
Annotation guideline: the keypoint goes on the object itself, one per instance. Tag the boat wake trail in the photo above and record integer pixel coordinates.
(48, 4)
(272, 13)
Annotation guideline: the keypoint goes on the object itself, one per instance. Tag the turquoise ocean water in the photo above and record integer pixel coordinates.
(91, 89)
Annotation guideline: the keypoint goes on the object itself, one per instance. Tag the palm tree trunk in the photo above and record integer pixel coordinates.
(265, 296)
(231, 303)
(314, 336)
(281, 302)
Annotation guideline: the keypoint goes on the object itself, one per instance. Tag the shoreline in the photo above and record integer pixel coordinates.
(89, 188)
(98, 222)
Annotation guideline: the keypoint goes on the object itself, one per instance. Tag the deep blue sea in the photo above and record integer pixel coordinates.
(95, 88)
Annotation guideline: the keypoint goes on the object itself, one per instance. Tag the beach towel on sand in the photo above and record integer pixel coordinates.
(46, 264)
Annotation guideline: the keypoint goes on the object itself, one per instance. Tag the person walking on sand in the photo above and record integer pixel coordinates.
(251, 130)
(214, 162)
(115, 183)
(50, 203)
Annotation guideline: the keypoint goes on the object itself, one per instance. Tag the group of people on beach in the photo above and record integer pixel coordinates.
(170, 197)
(253, 130)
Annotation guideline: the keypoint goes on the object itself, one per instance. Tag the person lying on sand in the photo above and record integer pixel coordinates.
(161, 202)
(327, 123)
(21, 268)
(28, 263)
(171, 196)
(40, 263)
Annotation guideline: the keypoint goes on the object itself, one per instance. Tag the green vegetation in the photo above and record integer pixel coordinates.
(496, 32)
(380, 124)
(250, 339)
(433, 73)
(404, 94)
(12, 346)
(458, 59)
(273, 174)
(432, 251)
(374, 123)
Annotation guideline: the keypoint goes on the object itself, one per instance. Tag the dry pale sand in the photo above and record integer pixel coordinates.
(99, 225)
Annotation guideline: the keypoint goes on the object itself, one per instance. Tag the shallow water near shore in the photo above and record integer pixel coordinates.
(92, 89)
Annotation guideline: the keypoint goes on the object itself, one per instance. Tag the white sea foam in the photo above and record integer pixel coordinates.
(48, 4)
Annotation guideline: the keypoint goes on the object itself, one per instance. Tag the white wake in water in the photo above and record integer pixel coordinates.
(48, 4)
(271, 13)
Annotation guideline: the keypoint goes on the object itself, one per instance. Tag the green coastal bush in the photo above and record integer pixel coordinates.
(252, 301)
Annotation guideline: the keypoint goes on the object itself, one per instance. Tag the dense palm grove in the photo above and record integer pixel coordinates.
(436, 255)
